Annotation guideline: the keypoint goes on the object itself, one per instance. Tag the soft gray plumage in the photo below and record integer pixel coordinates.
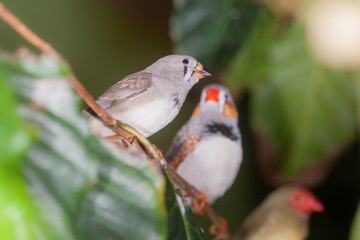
(148, 100)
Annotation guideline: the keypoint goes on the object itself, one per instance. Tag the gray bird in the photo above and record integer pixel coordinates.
(150, 99)
(207, 150)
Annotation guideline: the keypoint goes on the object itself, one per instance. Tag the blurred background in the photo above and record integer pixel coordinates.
(291, 65)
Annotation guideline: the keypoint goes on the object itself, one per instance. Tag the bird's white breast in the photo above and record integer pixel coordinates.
(212, 166)
(149, 117)
(146, 117)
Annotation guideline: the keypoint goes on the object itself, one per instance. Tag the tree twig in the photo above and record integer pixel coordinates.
(179, 180)
(21, 28)
(120, 128)
(101, 113)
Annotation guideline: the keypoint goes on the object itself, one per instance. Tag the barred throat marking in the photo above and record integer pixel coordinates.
(175, 98)
(225, 130)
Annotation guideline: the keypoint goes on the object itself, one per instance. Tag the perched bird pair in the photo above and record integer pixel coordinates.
(207, 150)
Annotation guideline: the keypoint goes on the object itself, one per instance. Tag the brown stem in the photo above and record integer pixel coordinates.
(190, 189)
(25, 32)
(177, 179)
(90, 101)
(122, 129)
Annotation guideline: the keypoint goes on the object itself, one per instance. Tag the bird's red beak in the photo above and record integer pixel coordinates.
(212, 94)
(315, 205)
(305, 201)
(200, 72)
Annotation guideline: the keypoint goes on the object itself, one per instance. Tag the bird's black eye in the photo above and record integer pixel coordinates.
(185, 61)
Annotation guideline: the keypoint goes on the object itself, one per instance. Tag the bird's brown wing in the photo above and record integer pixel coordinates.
(128, 88)
(183, 144)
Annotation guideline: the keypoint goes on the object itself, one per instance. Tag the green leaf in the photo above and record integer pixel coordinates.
(355, 228)
(182, 223)
(307, 111)
(242, 70)
(79, 186)
(15, 139)
(127, 201)
(20, 218)
(211, 31)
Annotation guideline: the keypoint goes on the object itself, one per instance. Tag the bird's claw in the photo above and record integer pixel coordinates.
(219, 230)
(118, 137)
(187, 195)
(199, 202)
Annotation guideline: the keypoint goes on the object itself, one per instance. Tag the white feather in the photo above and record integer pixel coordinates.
(212, 166)
(147, 118)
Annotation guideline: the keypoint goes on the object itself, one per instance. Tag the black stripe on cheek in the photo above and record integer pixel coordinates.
(193, 71)
(185, 70)
(226, 131)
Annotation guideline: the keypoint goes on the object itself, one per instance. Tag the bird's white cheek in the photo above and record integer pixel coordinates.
(188, 76)
(193, 80)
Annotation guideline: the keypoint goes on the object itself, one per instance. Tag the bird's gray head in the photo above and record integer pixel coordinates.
(179, 68)
(218, 97)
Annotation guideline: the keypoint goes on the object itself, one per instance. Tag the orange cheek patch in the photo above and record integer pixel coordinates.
(230, 111)
(196, 110)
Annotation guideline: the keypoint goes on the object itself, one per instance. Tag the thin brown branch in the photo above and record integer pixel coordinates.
(24, 31)
(190, 189)
(122, 129)
(90, 101)
(179, 181)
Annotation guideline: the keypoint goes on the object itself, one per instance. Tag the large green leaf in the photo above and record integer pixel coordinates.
(19, 216)
(306, 111)
(15, 139)
(79, 186)
(211, 30)
(127, 201)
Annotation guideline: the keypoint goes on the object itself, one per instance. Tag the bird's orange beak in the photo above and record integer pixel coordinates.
(200, 72)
